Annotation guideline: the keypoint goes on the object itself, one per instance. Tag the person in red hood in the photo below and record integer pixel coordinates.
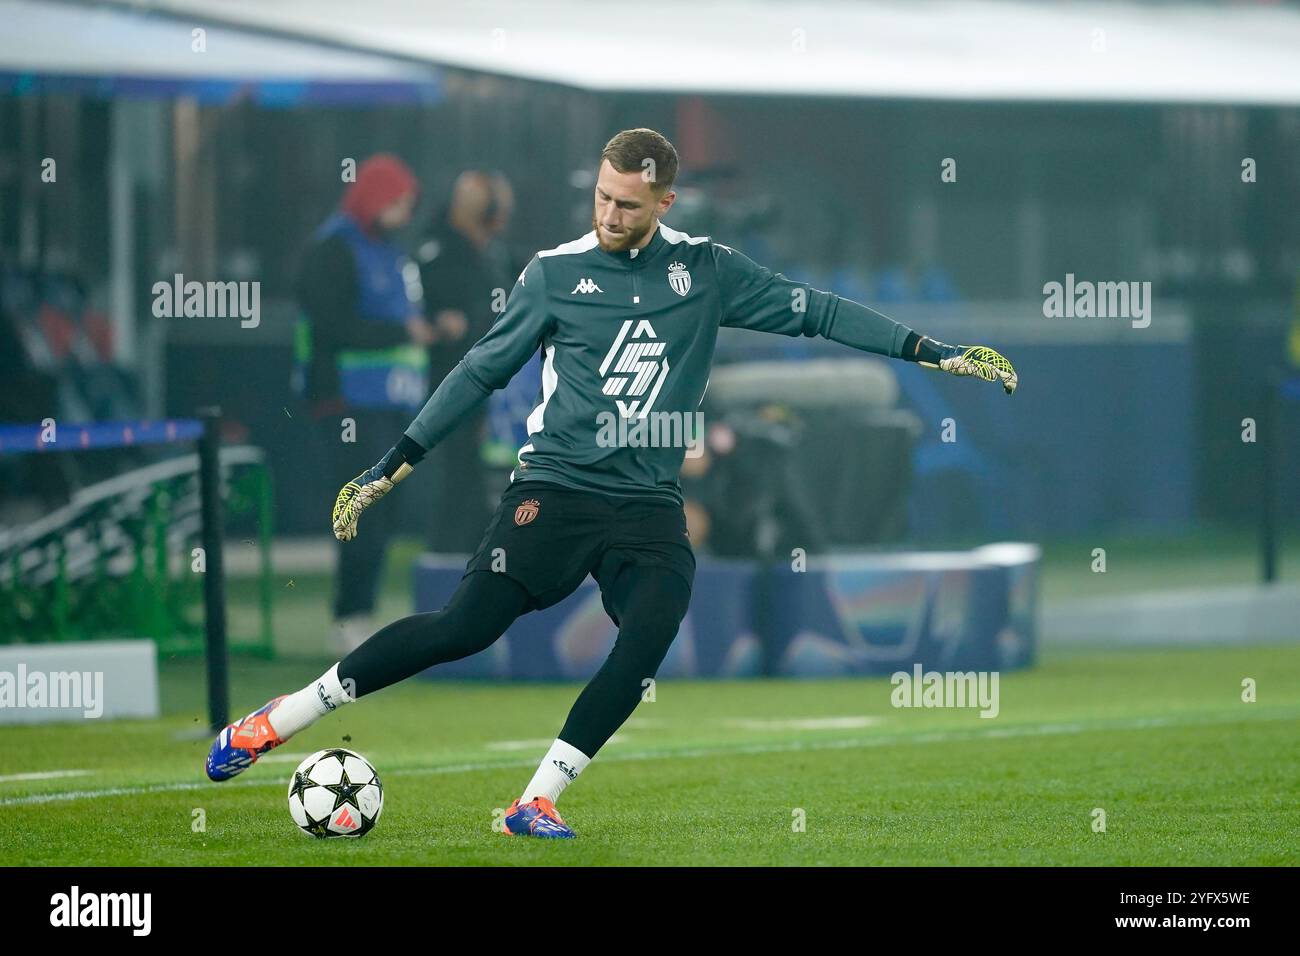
(360, 309)
(383, 196)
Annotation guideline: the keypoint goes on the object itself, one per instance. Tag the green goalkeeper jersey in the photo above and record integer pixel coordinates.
(627, 342)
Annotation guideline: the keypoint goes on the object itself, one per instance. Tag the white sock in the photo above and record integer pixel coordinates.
(301, 710)
(560, 767)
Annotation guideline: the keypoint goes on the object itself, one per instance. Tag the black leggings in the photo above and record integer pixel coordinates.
(648, 603)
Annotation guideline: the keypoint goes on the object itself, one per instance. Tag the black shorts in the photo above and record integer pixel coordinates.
(549, 538)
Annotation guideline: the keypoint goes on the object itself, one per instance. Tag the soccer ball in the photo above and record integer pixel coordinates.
(335, 793)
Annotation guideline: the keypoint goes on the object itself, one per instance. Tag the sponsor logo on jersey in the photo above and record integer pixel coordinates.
(586, 287)
(635, 368)
(679, 278)
(527, 511)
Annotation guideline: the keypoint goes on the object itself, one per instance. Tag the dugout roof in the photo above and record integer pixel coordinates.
(121, 50)
(1239, 53)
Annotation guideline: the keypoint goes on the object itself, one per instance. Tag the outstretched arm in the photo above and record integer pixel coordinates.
(754, 297)
(513, 339)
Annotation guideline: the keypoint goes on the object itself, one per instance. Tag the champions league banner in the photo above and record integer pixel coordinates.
(572, 639)
(880, 614)
(843, 616)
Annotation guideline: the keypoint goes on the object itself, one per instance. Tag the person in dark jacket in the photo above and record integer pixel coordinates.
(360, 358)
(465, 271)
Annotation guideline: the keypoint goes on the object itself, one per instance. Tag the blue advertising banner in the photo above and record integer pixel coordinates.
(847, 615)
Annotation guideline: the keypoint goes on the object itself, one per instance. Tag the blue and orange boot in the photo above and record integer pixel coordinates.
(241, 743)
(536, 818)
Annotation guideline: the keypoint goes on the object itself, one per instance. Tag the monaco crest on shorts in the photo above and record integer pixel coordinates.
(527, 511)
(679, 278)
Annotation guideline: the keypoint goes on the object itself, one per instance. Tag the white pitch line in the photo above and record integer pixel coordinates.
(46, 775)
(645, 723)
(38, 798)
(285, 758)
(851, 743)
(539, 743)
(533, 744)
(803, 723)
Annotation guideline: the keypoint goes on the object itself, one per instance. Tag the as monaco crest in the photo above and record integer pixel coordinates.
(527, 511)
(679, 278)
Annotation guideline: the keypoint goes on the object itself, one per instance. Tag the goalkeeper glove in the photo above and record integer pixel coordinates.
(978, 360)
(371, 485)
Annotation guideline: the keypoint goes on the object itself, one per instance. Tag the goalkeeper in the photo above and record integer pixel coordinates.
(626, 319)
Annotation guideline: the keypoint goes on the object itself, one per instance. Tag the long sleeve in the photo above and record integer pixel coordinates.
(754, 297)
(513, 339)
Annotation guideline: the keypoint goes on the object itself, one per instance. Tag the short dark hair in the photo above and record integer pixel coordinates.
(628, 151)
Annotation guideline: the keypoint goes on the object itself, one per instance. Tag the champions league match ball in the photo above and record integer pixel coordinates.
(335, 793)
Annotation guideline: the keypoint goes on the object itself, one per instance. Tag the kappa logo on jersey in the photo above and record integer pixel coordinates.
(679, 278)
(639, 366)
(586, 287)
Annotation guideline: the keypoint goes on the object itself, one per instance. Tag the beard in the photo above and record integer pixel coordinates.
(624, 240)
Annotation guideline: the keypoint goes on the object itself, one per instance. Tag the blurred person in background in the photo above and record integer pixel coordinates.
(742, 495)
(465, 272)
(360, 303)
(34, 484)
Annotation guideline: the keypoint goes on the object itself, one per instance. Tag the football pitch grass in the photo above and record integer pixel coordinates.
(711, 773)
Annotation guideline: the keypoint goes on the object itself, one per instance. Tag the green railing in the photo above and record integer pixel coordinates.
(120, 559)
